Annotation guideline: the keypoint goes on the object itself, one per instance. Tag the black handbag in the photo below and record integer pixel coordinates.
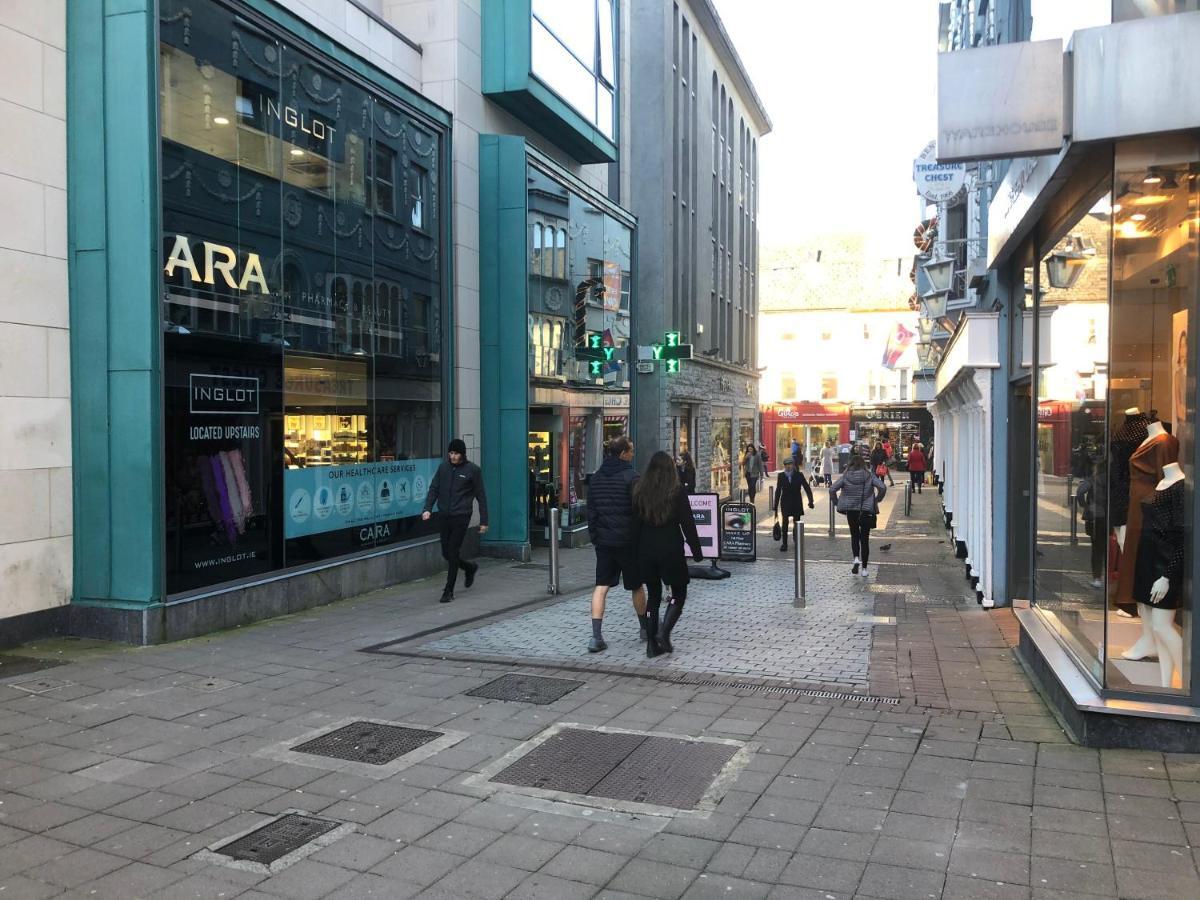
(777, 528)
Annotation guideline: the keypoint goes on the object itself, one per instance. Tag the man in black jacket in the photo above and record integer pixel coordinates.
(613, 530)
(455, 487)
(788, 498)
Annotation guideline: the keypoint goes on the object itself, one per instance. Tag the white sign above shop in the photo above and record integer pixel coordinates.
(1000, 102)
(937, 182)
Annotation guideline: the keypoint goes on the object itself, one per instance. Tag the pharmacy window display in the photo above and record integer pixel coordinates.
(1115, 449)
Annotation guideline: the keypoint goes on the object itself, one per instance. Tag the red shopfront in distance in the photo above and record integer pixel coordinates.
(809, 423)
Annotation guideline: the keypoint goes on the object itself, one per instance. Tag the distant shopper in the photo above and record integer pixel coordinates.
(879, 463)
(1092, 500)
(456, 486)
(827, 463)
(665, 521)
(788, 496)
(857, 494)
(766, 460)
(916, 466)
(687, 472)
(613, 530)
(752, 467)
(796, 452)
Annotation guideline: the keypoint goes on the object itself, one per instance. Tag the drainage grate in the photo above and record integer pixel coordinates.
(639, 768)
(799, 692)
(368, 742)
(530, 566)
(875, 620)
(525, 689)
(11, 666)
(277, 839)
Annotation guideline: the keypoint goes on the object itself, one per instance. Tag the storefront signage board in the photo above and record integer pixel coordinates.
(1001, 102)
(321, 499)
(738, 534)
(705, 512)
(937, 181)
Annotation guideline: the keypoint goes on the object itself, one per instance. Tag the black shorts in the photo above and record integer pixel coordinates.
(614, 562)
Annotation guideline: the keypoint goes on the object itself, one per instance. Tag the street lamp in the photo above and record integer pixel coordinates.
(1067, 261)
(935, 304)
(924, 331)
(939, 272)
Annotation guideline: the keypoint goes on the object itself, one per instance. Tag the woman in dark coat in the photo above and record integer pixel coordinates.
(788, 497)
(687, 472)
(664, 521)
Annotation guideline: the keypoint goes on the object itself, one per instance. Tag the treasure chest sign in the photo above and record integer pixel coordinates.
(738, 522)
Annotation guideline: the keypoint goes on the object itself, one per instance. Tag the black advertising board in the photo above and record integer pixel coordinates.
(738, 523)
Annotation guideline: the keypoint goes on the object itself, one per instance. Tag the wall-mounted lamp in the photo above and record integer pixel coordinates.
(939, 272)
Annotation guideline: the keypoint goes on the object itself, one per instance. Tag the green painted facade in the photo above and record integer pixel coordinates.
(509, 82)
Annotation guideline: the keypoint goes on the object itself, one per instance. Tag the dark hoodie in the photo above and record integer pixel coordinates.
(455, 488)
(610, 504)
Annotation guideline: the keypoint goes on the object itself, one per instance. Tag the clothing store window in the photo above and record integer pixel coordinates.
(719, 472)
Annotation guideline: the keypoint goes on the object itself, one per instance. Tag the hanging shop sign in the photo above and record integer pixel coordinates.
(936, 181)
(1001, 102)
(738, 532)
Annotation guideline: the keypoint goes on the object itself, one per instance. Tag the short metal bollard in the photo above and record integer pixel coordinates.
(555, 516)
(1072, 509)
(1070, 488)
(832, 520)
(798, 560)
(908, 498)
(771, 496)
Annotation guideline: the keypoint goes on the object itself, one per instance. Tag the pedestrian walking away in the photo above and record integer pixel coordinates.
(796, 452)
(612, 527)
(827, 463)
(916, 466)
(1092, 501)
(879, 463)
(857, 494)
(456, 487)
(788, 496)
(766, 459)
(687, 472)
(664, 522)
(752, 467)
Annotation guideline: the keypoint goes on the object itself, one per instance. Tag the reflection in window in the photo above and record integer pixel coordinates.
(418, 189)
(382, 174)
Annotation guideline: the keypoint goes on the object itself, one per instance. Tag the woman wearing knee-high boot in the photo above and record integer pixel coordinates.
(664, 522)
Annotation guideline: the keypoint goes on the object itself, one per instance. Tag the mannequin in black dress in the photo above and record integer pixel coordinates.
(1158, 576)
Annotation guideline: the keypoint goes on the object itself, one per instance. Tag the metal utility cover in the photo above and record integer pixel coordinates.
(525, 689)
(277, 839)
(368, 742)
(637, 768)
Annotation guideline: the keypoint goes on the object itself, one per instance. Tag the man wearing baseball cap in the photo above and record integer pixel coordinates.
(455, 487)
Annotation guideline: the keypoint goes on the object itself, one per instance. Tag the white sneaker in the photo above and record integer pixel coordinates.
(1097, 583)
(863, 572)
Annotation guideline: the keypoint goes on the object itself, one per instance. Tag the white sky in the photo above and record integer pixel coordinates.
(851, 88)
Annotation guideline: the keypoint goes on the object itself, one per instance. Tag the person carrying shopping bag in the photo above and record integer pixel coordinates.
(664, 522)
(857, 494)
(879, 463)
(788, 496)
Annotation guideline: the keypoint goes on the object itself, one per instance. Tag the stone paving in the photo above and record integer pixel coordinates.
(130, 762)
(745, 625)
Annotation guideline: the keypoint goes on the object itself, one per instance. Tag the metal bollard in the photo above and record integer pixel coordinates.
(832, 513)
(798, 560)
(908, 498)
(1070, 488)
(555, 516)
(771, 496)
(1072, 509)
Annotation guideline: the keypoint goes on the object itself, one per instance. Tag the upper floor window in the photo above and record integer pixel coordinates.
(418, 191)
(829, 386)
(787, 386)
(573, 54)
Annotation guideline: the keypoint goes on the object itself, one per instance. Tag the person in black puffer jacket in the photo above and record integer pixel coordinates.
(613, 530)
(455, 488)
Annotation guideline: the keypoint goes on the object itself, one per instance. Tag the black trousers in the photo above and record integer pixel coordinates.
(1100, 549)
(751, 486)
(860, 534)
(918, 479)
(794, 517)
(654, 573)
(454, 531)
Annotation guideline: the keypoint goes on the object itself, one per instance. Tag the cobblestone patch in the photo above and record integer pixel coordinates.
(744, 626)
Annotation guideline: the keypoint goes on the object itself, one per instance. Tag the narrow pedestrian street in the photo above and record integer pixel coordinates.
(882, 742)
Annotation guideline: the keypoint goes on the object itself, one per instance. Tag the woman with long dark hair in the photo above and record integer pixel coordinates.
(857, 494)
(664, 518)
(687, 472)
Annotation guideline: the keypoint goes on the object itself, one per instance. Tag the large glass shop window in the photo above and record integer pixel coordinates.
(1152, 389)
(573, 54)
(301, 304)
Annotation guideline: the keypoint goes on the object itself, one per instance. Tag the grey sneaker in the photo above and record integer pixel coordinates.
(597, 645)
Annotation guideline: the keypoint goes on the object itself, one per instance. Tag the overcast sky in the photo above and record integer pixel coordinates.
(851, 88)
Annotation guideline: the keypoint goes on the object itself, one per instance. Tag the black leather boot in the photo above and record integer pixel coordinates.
(652, 648)
(674, 611)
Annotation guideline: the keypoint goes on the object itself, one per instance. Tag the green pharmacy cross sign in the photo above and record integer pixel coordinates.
(596, 354)
(672, 351)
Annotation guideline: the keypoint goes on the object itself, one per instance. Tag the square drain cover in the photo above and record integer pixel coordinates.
(368, 742)
(638, 768)
(277, 839)
(525, 689)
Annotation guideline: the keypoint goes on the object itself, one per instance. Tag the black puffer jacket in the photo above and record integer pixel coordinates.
(455, 488)
(610, 504)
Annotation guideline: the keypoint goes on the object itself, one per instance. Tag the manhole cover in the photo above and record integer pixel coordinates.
(277, 839)
(368, 742)
(212, 685)
(41, 685)
(525, 689)
(639, 768)
(11, 666)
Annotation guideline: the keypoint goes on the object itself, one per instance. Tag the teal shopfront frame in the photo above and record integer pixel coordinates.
(115, 264)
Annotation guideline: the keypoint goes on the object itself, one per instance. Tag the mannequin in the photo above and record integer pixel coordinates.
(1145, 471)
(1158, 583)
(1125, 441)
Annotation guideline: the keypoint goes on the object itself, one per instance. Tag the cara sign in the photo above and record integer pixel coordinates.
(937, 182)
(704, 512)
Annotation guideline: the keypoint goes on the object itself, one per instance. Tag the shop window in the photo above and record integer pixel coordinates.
(719, 471)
